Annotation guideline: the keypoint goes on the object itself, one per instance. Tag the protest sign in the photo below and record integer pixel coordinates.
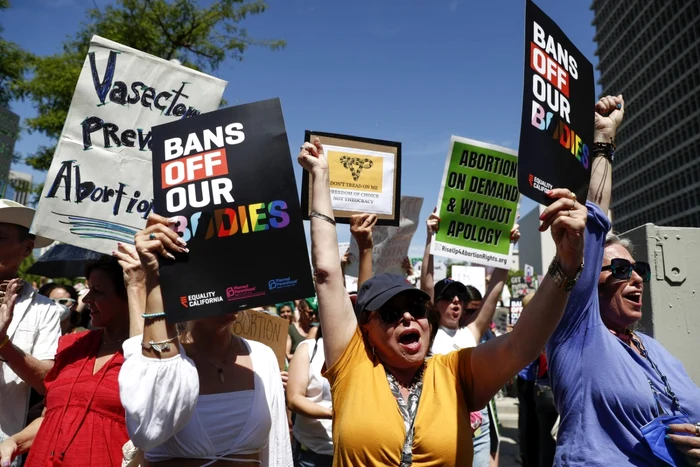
(390, 243)
(556, 132)
(241, 220)
(351, 283)
(439, 268)
(98, 190)
(365, 176)
(478, 203)
(529, 270)
(516, 308)
(470, 275)
(262, 327)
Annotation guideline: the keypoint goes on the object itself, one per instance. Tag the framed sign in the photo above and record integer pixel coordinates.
(365, 176)
(239, 218)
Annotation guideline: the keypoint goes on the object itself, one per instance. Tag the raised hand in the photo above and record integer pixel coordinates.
(157, 239)
(567, 219)
(312, 158)
(128, 259)
(7, 308)
(361, 226)
(609, 112)
(407, 266)
(433, 223)
(515, 234)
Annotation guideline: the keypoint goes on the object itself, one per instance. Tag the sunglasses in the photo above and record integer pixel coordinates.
(390, 314)
(622, 269)
(449, 297)
(64, 301)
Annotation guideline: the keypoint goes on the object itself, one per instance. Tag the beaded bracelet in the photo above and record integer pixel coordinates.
(161, 346)
(606, 150)
(153, 315)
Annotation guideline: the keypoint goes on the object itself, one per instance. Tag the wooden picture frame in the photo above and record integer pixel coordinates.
(381, 200)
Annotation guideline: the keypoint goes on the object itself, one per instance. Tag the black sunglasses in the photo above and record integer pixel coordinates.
(449, 297)
(622, 269)
(390, 314)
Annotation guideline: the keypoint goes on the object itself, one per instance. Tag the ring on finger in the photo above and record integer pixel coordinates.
(152, 236)
(573, 204)
(568, 212)
(697, 429)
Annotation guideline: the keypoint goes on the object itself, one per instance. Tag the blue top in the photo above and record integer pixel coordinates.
(529, 373)
(600, 384)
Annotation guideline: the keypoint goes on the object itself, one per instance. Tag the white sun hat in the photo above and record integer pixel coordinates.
(12, 212)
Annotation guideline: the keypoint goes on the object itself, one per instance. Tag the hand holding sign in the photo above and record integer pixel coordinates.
(567, 218)
(433, 223)
(134, 274)
(609, 112)
(157, 239)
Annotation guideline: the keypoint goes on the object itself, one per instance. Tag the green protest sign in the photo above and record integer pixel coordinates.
(478, 203)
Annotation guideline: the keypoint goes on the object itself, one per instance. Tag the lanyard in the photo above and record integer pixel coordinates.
(409, 410)
(675, 403)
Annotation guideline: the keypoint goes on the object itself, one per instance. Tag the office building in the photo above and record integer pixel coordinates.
(649, 51)
(19, 187)
(534, 247)
(9, 129)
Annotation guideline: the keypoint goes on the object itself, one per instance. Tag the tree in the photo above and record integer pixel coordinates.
(14, 62)
(199, 37)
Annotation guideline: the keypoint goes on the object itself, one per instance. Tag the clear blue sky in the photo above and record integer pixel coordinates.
(415, 71)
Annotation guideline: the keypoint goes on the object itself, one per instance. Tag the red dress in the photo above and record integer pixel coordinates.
(84, 424)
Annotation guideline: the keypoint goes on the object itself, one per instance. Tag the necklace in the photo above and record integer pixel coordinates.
(221, 368)
(416, 378)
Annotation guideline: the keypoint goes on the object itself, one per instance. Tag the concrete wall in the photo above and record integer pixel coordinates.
(670, 301)
(535, 248)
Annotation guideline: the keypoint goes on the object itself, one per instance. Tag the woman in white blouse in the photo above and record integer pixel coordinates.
(309, 396)
(206, 398)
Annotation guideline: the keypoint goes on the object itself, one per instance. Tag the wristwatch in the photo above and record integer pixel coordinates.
(560, 279)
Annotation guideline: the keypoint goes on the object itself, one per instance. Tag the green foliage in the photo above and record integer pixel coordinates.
(14, 62)
(200, 37)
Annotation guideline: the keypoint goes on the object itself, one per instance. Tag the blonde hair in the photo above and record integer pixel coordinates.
(612, 239)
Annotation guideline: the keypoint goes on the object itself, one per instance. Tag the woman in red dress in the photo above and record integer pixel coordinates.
(83, 423)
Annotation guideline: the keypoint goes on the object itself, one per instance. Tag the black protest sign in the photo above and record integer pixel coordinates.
(227, 178)
(556, 133)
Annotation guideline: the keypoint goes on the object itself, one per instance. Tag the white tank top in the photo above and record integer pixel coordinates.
(313, 433)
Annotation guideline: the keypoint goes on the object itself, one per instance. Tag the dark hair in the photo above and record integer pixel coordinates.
(111, 267)
(46, 290)
(473, 294)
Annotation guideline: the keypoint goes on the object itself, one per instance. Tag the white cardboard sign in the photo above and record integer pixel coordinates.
(99, 189)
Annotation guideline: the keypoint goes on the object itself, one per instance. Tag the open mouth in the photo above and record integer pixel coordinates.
(409, 337)
(634, 297)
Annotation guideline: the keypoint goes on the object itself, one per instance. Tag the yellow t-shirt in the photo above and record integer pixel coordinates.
(368, 428)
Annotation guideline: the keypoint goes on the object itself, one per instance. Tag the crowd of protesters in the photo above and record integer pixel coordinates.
(388, 374)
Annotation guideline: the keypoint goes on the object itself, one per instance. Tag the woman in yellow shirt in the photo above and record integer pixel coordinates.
(376, 352)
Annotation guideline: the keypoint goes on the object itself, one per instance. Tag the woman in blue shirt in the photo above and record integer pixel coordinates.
(609, 381)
